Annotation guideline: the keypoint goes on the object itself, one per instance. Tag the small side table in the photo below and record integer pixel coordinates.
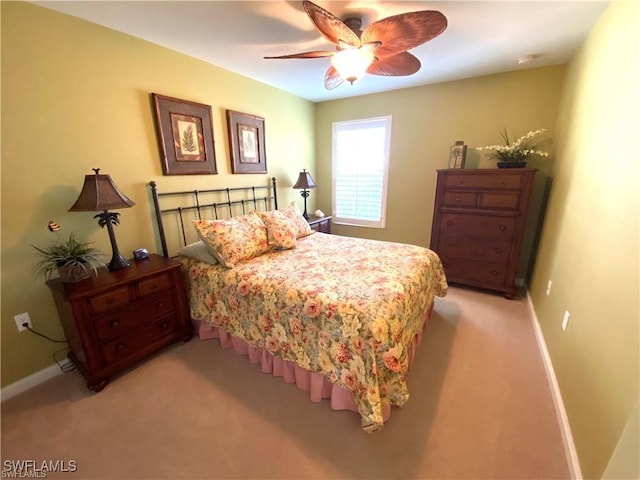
(116, 319)
(320, 224)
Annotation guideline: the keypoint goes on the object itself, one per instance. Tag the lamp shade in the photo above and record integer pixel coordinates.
(352, 63)
(304, 181)
(100, 193)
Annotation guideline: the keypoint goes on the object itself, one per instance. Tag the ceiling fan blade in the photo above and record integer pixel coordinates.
(398, 65)
(330, 26)
(405, 31)
(315, 54)
(332, 78)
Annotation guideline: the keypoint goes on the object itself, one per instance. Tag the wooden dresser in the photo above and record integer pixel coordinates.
(479, 221)
(117, 318)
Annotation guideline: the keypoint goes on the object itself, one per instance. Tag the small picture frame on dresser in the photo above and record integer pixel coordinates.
(457, 154)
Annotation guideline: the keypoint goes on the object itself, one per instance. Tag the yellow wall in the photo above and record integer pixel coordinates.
(76, 96)
(426, 121)
(590, 242)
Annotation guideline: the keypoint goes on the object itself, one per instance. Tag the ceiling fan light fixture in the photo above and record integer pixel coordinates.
(352, 63)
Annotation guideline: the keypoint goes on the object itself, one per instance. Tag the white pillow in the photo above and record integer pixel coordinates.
(198, 251)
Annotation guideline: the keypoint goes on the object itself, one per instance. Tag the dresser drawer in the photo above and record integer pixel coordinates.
(110, 300)
(153, 285)
(500, 201)
(460, 199)
(485, 227)
(475, 272)
(138, 340)
(491, 180)
(125, 319)
(495, 251)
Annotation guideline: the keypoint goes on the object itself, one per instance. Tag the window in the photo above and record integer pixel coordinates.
(360, 171)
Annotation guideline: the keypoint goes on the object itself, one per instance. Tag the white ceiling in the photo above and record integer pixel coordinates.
(481, 38)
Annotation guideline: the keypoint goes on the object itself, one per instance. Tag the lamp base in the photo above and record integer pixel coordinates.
(118, 262)
(305, 195)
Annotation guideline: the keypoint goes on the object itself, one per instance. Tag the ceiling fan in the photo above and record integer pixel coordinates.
(381, 49)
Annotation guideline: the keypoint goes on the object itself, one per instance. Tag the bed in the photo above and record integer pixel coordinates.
(340, 317)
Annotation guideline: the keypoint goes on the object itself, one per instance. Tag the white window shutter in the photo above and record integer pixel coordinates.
(360, 171)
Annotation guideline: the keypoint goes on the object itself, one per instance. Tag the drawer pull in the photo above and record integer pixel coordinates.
(494, 273)
(164, 325)
(160, 305)
(498, 250)
(115, 323)
(449, 222)
(502, 228)
(119, 346)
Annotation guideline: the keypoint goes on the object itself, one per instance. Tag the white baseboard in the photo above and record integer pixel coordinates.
(563, 420)
(31, 381)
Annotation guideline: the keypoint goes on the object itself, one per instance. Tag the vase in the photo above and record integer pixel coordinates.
(73, 273)
(512, 164)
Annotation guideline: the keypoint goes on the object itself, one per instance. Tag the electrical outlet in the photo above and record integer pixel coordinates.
(565, 320)
(549, 288)
(21, 319)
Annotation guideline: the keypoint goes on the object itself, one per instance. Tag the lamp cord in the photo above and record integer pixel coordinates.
(43, 335)
(64, 367)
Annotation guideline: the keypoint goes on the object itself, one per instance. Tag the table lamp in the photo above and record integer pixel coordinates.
(100, 193)
(304, 183)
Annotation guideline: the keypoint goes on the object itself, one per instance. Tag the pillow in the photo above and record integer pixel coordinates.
(299, 223)
(198, 251)
(280, 232)
(233, 239)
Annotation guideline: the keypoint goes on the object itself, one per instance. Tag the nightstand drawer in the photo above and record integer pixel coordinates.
(110, 300)
(153, 285)
(125, 319)
(128, 345)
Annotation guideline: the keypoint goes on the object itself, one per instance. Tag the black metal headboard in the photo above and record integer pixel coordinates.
(217, 202)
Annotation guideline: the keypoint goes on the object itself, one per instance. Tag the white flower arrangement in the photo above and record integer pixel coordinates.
(517, 151)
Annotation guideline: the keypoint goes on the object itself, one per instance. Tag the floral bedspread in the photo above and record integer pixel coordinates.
(344, 307)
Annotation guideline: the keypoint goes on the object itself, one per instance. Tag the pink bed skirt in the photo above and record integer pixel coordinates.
(318, 386)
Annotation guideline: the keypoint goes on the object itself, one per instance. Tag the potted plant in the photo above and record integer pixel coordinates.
(74, 260)
(514, 154)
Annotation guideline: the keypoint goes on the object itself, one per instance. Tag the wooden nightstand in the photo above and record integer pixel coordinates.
(322, 224)
(117, 318)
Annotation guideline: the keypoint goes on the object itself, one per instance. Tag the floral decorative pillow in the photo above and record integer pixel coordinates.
(299, 223)
(198, 251)
(280, 231)
(232, 240)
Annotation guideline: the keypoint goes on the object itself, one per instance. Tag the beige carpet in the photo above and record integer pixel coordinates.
(480, 407)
